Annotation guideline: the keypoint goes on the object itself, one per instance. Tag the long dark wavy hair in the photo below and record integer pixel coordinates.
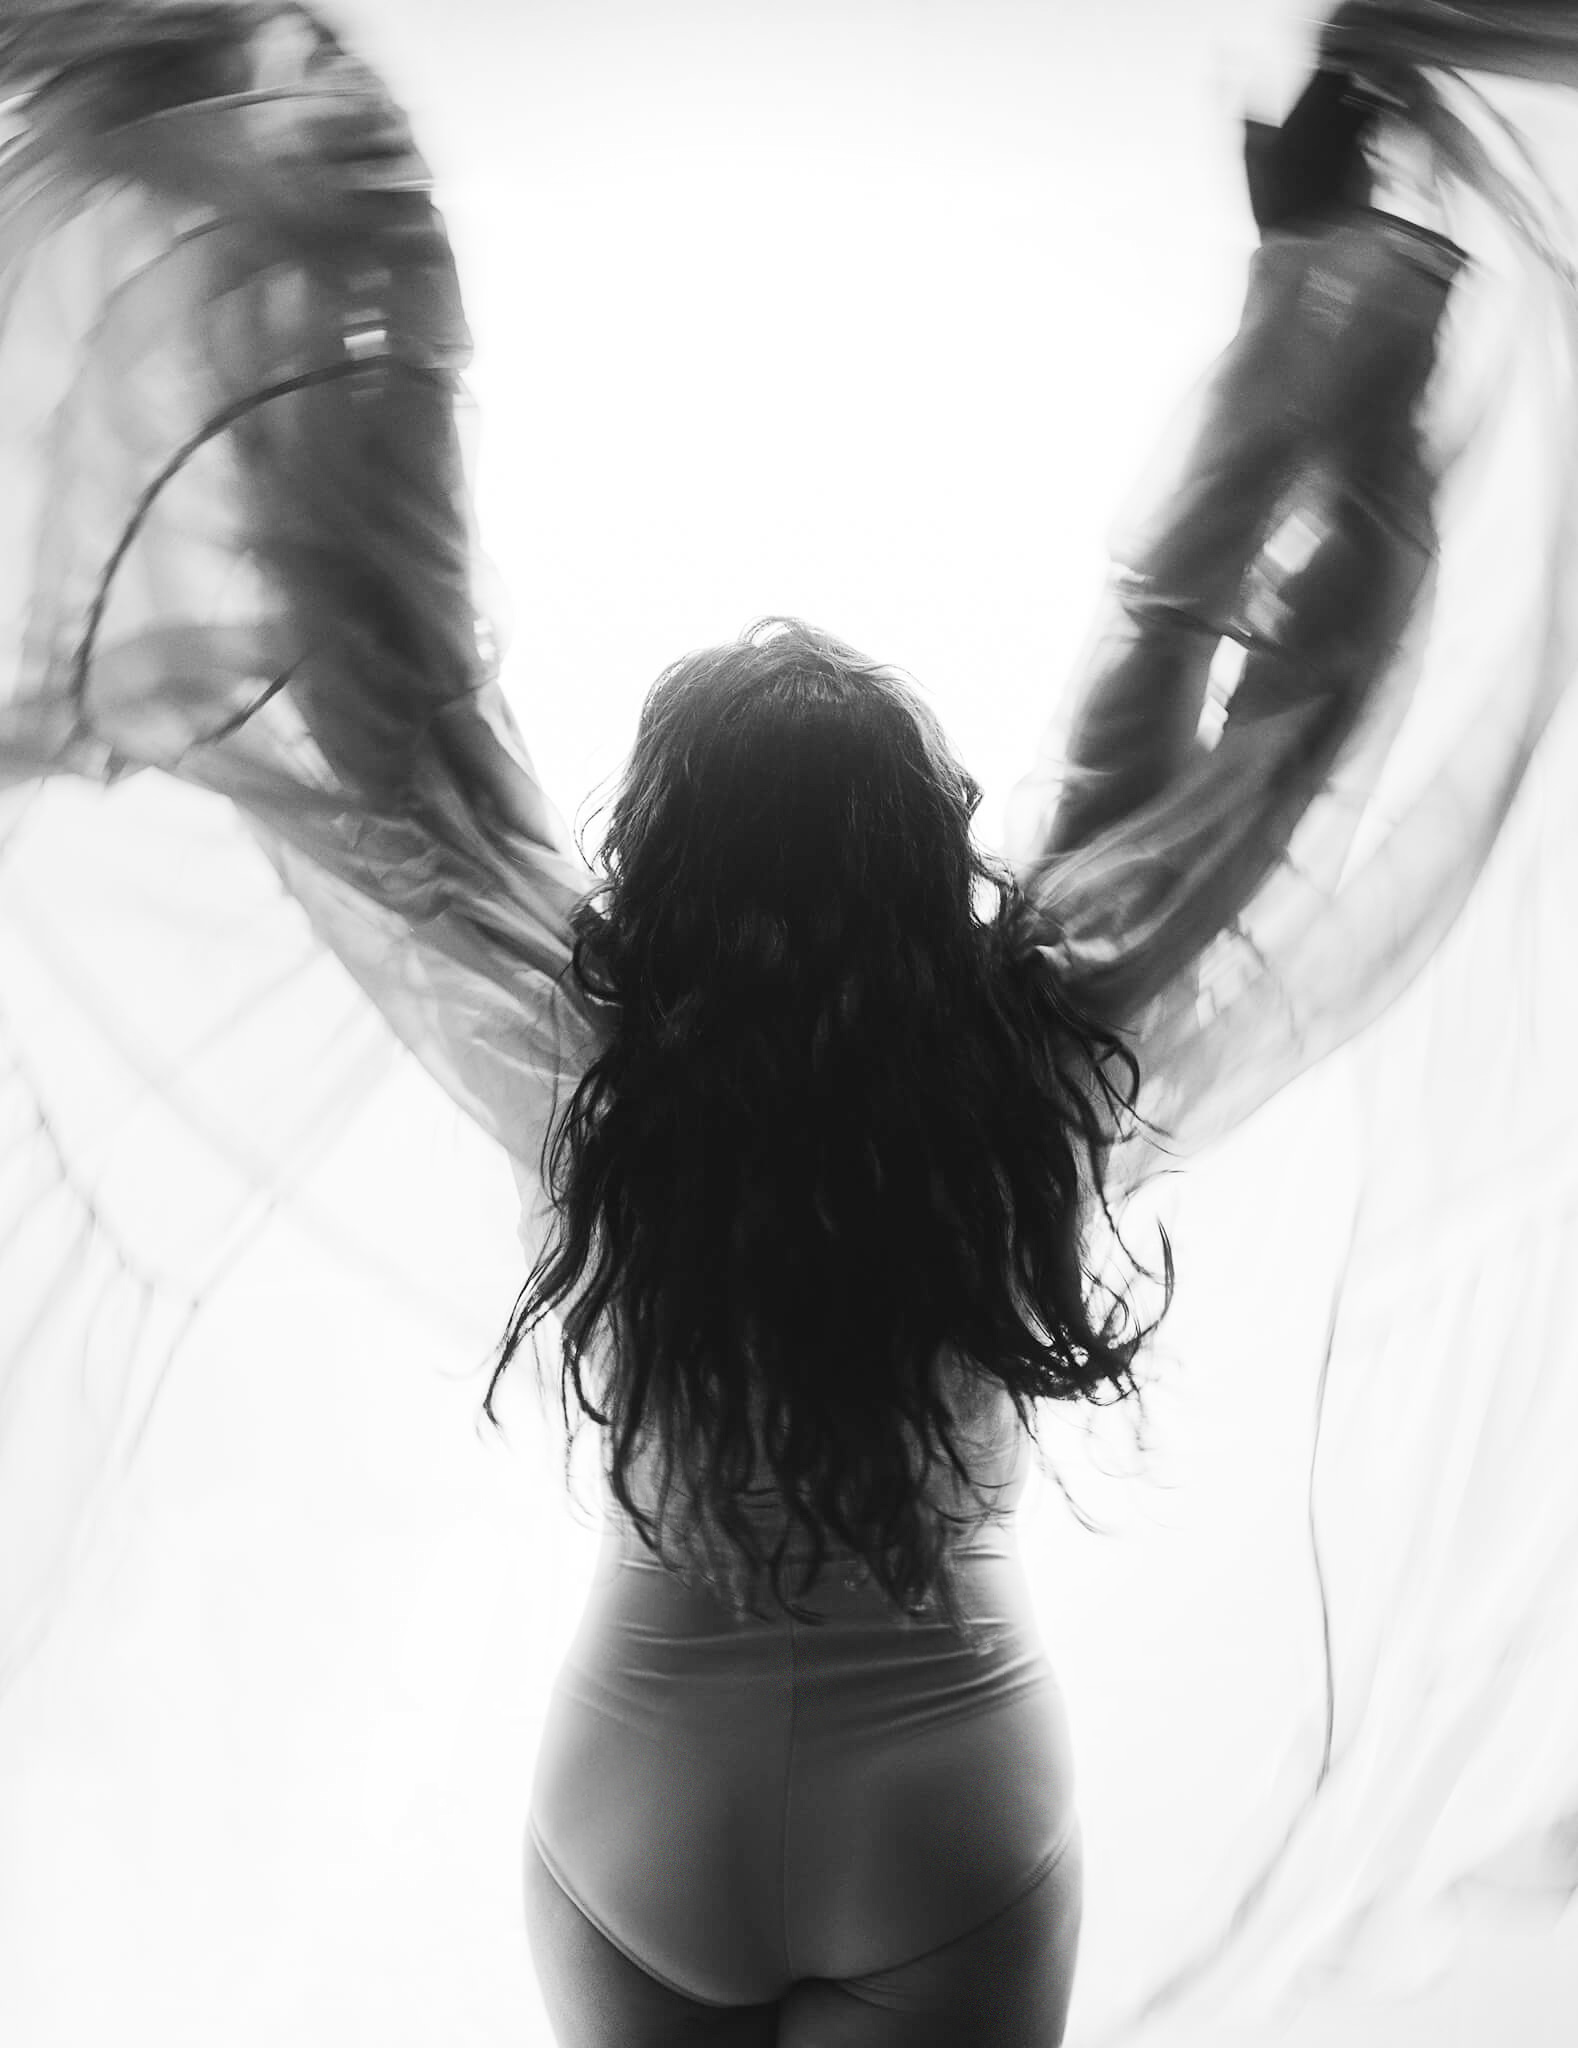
(845, 1142)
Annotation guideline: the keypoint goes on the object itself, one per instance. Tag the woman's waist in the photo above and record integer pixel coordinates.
(844, 1611)
(799, 1542)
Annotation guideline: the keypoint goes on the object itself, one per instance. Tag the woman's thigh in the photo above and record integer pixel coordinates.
(1006, 1984)
(598, 1998)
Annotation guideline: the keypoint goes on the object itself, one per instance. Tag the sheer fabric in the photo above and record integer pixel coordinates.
(238, 553)
(1438, 1774)
(235, 494)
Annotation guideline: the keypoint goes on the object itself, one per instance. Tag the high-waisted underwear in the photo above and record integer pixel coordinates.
(741, 1803)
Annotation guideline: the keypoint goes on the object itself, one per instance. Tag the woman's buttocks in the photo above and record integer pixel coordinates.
(742, 1802)
(929, 1779)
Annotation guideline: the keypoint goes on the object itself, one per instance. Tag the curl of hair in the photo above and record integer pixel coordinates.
(842, 1150)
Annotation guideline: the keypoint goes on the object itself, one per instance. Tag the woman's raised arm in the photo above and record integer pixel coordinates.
(1226, 853)
(238, 538)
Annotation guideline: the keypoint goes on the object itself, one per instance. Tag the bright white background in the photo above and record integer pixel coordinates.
(869, 312)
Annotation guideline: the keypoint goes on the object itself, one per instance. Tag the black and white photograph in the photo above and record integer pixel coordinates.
(788, 982)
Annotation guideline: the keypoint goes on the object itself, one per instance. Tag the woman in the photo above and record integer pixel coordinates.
(810, 1146)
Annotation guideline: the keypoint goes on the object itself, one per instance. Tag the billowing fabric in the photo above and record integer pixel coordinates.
(1436, 1774)
(229, 343)
(237, 551)
(1299, 531)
